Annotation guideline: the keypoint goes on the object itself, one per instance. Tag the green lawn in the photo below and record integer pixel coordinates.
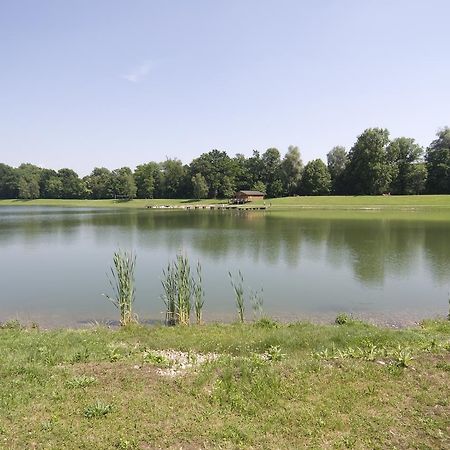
(140, 203)
(362, 202)
(407, 202)
(317, 386)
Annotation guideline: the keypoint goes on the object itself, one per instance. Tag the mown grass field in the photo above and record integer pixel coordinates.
(317, 386)
(408, 202)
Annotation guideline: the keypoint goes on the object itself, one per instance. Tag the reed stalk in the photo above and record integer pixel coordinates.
(122, 284)
(238, 287)
(183, 270)
(169, 283)
(256, 300)
(199, 294)
(182, 291)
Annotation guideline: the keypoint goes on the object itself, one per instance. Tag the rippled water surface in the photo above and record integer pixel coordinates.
(386, 266)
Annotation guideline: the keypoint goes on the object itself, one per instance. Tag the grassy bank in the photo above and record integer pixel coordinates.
(265, 386)
(392, 202)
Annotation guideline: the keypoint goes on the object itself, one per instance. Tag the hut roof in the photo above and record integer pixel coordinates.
(252, 193)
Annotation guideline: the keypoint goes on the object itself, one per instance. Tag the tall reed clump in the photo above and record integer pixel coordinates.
(181, 291)
(199, 294)
(238, 287)
(122, 283)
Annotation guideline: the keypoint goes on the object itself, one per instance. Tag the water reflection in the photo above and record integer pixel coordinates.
(316, 263)
(374, 247)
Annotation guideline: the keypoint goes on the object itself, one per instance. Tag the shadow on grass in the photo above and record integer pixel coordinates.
(191, 200)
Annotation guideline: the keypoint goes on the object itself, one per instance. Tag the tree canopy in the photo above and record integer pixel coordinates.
(374, 165)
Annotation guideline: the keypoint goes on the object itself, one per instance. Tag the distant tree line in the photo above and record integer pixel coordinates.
(374, 165)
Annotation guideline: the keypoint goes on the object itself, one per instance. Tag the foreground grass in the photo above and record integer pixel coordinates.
(394, 202)
(346, 386)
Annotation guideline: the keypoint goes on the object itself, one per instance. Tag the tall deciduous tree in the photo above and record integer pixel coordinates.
(50, 185)
(199, 186)
(215, 166)
(271, 175)
(291, 170)
(337, 160)
(123, 183)
(148, 180)
(255, 168)
(316, 179)
(404, 154)
(99, 183)
(72, 185)
(28, 183)
(9, 180)
(242, 176)
(369, 171)
(438, 163)
(172, 180)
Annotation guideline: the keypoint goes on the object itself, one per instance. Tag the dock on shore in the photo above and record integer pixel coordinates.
(210, 207)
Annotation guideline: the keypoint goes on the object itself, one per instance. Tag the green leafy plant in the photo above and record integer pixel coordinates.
(81, 381)
(97, 409)
(403, 357)
(155, 359)
(122, 283)
(342, 319)
(273, 353)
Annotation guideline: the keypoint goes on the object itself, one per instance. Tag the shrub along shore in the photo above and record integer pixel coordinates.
(252, 385)
(382, 202)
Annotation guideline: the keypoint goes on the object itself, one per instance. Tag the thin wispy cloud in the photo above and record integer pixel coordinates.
(138, 73)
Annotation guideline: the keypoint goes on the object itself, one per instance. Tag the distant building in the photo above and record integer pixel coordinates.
(248, 196)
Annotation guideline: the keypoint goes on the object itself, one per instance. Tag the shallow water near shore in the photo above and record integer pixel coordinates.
(388, 267)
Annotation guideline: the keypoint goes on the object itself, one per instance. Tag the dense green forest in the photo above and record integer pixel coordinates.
(374, 165)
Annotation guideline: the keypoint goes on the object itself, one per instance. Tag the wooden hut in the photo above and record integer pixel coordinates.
(248, 196)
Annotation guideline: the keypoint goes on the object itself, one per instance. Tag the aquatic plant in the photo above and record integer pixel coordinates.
(122, 283)
(256, 300)
(169, 283)
(199, 294)
(181, 290)
(238, 287)
(184, 289)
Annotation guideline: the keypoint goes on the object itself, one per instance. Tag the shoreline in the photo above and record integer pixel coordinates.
(390, 320)
(350, 203)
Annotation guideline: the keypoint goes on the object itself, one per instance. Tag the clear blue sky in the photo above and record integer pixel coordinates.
(87, 83)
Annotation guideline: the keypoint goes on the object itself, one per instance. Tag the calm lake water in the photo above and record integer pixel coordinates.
(391, 267)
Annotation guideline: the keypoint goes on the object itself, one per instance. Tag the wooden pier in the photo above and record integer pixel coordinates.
(209, 207)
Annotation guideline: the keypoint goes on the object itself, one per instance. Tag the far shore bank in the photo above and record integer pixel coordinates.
(381, 202)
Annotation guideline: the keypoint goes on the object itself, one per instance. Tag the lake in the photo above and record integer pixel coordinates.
(387, 267)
